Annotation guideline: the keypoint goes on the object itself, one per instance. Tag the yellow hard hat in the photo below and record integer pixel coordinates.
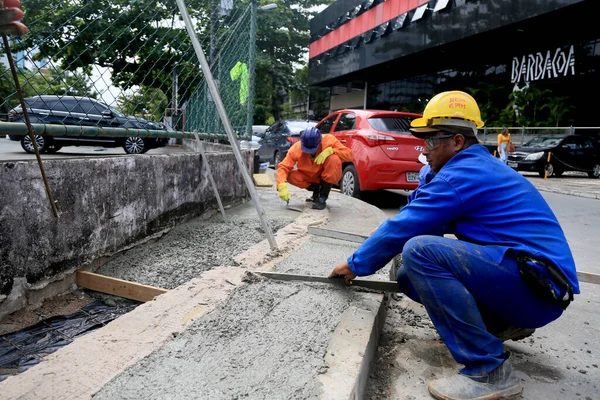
(448, 109)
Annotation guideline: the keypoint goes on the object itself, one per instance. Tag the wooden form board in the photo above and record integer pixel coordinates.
(117, 287)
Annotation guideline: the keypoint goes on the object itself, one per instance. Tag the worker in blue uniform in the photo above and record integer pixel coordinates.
(509, 271)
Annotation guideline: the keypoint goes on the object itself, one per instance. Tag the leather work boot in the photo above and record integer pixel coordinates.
(315, 188)
(320, 204)
(513, 333)
(503, 330)
(501, 383)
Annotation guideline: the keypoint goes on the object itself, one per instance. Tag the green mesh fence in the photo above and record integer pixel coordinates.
(129, 68)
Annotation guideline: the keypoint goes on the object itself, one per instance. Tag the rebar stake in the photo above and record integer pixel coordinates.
(13, 69)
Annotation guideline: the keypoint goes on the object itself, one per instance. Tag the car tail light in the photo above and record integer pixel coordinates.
(293, 139)
(373, 139)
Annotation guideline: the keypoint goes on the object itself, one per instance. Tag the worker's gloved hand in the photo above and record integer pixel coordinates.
(9, 17)
(320, 159)
(284, 193)
(343, 270)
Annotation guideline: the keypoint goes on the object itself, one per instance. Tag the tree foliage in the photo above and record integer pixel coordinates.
(144, 102)
(135, 38)
(43, 82)
(141, 43)
(282, 43)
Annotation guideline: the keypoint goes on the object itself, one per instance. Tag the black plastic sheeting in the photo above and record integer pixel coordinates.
(25, 348)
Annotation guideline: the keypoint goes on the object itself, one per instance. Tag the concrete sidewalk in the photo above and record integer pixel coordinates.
(227, 334)
(571, 183)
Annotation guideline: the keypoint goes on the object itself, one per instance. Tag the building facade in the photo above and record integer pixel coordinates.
(527, 62)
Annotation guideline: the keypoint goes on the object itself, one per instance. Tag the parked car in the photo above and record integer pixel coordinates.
(258, 131)
(279, 137)
(69, 110)
(385, 153)
(569, 153)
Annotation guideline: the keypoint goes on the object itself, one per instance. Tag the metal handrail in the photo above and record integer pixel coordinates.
(20, 128)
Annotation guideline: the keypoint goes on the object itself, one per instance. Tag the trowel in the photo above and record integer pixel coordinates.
(294, 207)
(385, 286)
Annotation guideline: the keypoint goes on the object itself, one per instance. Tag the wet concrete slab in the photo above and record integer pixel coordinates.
(223, 334)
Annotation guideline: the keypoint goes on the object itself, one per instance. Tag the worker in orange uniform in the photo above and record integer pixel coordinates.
(319, 159)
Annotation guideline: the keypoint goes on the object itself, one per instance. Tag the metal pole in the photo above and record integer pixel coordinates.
(213, 33)
(251, 69)
(175, 103)
(308, 106)
(210, 176)
(30, 132)
(225, 119)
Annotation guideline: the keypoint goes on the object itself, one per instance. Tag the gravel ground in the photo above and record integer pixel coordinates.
(189, 249)
(385, 368)
(550, 366)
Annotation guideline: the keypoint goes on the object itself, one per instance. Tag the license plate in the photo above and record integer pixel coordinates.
(513, 164)
(412, 177)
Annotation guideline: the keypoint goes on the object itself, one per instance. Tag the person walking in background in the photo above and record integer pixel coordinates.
(319, 161)
(503, 141)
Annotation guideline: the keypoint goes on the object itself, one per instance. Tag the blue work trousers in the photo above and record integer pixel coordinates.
(462, 285)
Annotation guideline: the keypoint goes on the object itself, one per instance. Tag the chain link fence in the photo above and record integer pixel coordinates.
(92, 69)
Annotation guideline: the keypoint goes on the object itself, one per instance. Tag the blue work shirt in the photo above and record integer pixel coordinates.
(480, 200)
(425, 176)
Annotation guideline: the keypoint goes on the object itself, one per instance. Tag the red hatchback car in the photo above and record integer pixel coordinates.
(385, 153)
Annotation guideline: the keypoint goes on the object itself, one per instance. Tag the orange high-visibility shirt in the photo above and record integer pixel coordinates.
(306, 162)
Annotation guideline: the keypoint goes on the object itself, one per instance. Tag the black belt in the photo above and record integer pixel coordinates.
(540, 275)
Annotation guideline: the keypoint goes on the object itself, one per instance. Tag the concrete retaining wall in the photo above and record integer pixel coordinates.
(105, 204)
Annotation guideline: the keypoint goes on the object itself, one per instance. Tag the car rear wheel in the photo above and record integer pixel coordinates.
(135, 145)
(595, 173)
(27, 144)
(350, 185)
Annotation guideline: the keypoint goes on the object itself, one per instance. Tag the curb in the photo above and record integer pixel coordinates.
(355, 341)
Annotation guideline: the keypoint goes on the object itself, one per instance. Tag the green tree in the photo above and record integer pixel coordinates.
(43, 82)
(144, 102)
(7, 90)
(282, 41)
(300, 92)
(143, 42)
(137, 39)
(487, 95)
(56, 82)
(559, 109)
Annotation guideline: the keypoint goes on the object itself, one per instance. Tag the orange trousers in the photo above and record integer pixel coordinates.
(331, 173)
